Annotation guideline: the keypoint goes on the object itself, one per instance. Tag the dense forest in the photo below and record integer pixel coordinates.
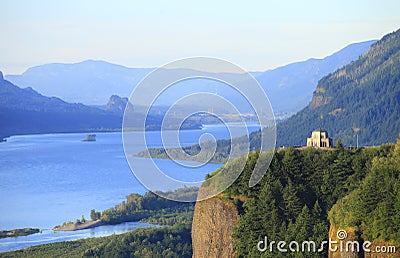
(149, 207)
(373, 208)
(306, 190)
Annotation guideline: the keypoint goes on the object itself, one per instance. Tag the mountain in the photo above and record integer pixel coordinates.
(91, 82)
(361, 98)
(290, 87)
(24, 111)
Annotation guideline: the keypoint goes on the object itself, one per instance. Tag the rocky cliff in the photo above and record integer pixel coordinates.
(346, 235)
(213, 222)
(116, 104)
(349, 237)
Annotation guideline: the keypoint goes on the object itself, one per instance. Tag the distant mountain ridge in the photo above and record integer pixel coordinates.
(290, 87)
(362, 98)
(25, 111)
(92, 82)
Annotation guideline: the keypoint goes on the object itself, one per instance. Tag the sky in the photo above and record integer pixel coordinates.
(256, 35)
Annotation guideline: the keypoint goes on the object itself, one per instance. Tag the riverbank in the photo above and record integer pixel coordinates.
(18, 232)
(134, 239)
(49, 236)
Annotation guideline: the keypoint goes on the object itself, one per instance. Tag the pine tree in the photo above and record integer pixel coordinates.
(291, 164)
(339, 144)
(292, 202)
(304, 225)
(317, 212)
(250, 225)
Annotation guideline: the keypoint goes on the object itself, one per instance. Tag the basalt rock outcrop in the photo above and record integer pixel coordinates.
(213, 223)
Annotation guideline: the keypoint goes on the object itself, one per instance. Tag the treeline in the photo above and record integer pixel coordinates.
(293, 199)
(192, 153)
(223, 151)
(149, 207)
(171, 240)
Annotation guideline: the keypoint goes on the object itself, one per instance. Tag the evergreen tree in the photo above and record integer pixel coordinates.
(292, 202)
(317, 212)
(339, 144)
(304, 225)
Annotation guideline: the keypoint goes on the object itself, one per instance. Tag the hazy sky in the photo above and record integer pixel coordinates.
(256, 35)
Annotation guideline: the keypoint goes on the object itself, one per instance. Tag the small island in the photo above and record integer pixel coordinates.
(90, 138)
(18, 232)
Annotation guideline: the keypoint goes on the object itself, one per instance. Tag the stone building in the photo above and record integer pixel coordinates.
(319, 138)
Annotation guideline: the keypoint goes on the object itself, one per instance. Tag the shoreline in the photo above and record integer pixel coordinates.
(80, 225)
(49, 236)
(3, 138)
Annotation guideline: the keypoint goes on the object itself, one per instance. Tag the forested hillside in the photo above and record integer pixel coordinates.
(361, 98)
(293, 200)
(377, 202)
(24, 111)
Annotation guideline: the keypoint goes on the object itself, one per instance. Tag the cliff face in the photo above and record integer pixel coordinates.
(352, 253)
(213, 222)
(351, 236)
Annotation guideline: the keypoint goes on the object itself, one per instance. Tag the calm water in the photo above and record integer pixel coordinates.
(48, 179)
(50, 236)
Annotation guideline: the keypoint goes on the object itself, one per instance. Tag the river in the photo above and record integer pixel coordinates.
(51, 178)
